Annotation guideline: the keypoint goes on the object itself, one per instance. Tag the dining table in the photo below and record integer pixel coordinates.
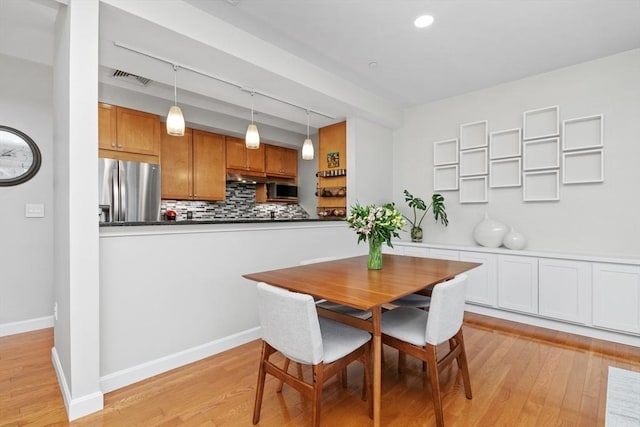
(348, 281)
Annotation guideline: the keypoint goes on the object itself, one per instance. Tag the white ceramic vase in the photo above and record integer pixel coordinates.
(514, 240)
(489, 232)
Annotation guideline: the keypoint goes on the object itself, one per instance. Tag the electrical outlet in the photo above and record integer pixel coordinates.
(55, 311)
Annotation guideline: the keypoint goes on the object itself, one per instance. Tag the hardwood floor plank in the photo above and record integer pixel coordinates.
(520, 375)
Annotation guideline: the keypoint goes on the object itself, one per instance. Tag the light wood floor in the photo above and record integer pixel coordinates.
(520, 375)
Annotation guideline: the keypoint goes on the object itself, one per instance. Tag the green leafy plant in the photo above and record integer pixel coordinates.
(417, 204)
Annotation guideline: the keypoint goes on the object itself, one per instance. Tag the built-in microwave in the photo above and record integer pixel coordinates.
(280, 190)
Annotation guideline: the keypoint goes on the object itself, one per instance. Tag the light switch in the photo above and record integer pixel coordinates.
(34, 210)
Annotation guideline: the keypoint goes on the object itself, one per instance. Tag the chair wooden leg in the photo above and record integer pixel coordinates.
(343, 378)
(286, 369)
(464, 366)
(368, 384)
(435, 384)
(318, 383)
(260, 387)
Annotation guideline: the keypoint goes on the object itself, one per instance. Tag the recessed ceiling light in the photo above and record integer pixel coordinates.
(423, 21)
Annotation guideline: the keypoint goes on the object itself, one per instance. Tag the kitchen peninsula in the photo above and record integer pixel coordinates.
(173, 293)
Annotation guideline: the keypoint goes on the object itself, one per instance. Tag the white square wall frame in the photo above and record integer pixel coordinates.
(473, 162)
(505, 143)
(505, 173)
(541, 186)
(474, 190)
(581, 167)
(445, 152)
(445, 178)
(583, 133)
(541, 123)
(541, 154)
(474, 135)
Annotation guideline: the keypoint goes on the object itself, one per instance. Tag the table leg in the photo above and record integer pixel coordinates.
(377, 365)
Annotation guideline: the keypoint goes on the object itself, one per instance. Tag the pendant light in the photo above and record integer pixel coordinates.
(307, 146)
(252, 138)
(175, 119)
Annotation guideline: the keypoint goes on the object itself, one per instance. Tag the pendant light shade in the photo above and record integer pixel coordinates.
(252, 138)
(307, 145)
(175, 119)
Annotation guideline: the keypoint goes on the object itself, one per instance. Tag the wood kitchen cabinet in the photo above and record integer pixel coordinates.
(332, 142)
(281, 161)
(128, 134)
(193, 166)
(241, 160)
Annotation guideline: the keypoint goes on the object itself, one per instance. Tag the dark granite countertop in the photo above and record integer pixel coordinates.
(217, 221)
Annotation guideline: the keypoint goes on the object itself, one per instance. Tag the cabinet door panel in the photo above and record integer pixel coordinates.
(176, 158)
(209, 173)
(416, 251)
(482, 286)
(518, 283)
(236, 154)
(138, 132)
(616, 297)
(107, 130)
(255, 159)
(562, 289)
(444, 254)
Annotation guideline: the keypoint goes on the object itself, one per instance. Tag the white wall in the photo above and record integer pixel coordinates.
(166, 290)
(369, 162)
(589, 218)
(27, 243)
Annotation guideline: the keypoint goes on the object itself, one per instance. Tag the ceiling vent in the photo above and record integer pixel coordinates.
(131, 78)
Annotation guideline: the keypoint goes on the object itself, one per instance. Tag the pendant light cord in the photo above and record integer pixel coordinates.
(252, 107)
(307, 124)
(175, 85)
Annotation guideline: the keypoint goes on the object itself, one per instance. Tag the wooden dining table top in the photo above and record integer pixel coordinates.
(348, 281)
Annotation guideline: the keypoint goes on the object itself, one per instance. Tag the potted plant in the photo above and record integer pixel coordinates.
(416, 203)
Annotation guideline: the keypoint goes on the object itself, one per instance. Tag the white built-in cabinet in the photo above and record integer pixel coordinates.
(482, 283)
(577, 290)
(563, 289)
(616, 297)
(518, 283)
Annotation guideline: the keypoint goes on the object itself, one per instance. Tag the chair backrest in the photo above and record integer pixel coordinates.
(317, 260)
(446, 310)
(289, 323)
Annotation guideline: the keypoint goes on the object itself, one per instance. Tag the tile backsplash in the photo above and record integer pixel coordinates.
(240, 202)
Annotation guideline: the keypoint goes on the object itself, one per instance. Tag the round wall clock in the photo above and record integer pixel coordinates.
(19, 157)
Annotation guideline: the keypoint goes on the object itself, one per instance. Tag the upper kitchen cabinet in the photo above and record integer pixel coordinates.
(193, 166)
(281, 161)
(241, 160)
(127, 134)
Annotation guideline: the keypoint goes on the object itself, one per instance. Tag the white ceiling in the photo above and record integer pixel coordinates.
(316, 53)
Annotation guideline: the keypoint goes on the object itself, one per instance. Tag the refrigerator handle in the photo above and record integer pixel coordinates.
(122, 184)
(115, 195)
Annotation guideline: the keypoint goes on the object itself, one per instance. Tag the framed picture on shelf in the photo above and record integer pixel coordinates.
(333, 160)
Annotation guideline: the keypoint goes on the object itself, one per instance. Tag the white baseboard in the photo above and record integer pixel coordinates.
(149, 369)
(26, 326)
(78, 407)
(556, 325)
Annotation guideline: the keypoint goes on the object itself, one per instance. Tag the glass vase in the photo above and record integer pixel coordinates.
(416, 234)
(375, 255)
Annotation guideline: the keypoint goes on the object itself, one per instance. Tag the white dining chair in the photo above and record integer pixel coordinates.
(290, 325)
(418, 332)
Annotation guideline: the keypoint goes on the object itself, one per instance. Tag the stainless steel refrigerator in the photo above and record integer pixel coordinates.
(129, 191)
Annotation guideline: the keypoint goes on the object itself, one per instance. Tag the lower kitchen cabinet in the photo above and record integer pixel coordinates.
(444, 254)
(518, 283)
(563, 289)
(482, 280)
(616, 297)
